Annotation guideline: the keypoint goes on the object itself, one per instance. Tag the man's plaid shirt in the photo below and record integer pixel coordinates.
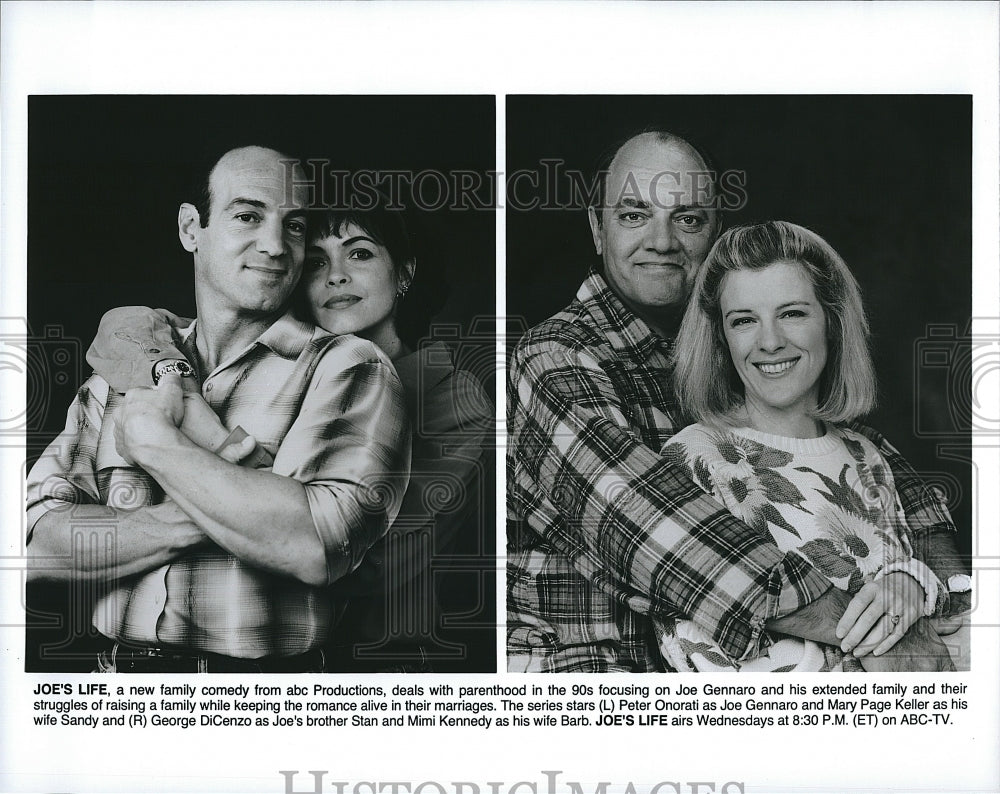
(331, 413)
(604, 533)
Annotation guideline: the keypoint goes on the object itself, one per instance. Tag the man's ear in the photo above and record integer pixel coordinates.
(188, 225)
(595, 230)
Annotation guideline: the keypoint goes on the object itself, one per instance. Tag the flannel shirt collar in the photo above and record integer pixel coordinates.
(626, 331)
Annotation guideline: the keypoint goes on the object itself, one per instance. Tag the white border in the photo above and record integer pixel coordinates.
(500, 48)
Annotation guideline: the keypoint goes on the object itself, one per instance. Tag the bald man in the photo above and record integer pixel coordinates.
(213, 566)
(603, 534)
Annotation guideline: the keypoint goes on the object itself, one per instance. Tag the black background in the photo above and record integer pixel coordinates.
(107, 173)
(105, 177)
(886, 180)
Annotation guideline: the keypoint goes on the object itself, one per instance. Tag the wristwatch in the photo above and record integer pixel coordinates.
(167, 365)
(959, 583)
(959, 594)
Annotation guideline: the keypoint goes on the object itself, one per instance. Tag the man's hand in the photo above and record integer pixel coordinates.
(919, 650)
(149, 417)
(867, 624)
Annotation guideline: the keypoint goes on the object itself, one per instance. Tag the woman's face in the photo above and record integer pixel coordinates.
(776, 331)
(351, 284)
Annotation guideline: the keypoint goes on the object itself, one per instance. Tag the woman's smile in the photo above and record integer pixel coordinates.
(776, 331)
(776, 368)
(341, 301)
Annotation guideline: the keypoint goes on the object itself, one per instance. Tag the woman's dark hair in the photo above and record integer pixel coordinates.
(391, 226)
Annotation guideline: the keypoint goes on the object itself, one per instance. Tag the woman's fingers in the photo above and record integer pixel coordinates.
(235, 452)
(882, 637)
(861, 601)
(880, 614)
(863, 625)
(892, 638)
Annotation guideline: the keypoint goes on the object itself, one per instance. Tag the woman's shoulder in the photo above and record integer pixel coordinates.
(700, 435)
(860, 445)
(699, 445)
(445, 396)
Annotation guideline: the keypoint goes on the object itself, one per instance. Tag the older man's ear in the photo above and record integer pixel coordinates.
(595, 230)
(188, 224)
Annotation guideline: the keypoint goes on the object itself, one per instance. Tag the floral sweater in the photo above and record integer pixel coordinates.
(831, 499)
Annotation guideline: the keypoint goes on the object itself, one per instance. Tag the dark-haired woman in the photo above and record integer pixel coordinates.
(360, 277)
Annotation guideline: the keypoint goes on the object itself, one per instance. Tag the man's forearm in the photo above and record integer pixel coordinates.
(260, 517)
(816, 621)
(639, 523)
(100, 543)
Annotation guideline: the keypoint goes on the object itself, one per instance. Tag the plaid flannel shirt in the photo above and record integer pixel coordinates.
(603, 533)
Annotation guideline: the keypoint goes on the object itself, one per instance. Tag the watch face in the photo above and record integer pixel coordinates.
(960, 583)
(181, 367)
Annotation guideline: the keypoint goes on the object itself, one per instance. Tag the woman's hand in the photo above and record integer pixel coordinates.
(919, 650)
(880, 614)
(202, 426)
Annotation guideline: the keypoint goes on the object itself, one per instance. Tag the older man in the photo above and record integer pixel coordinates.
(214, 566)
(603, 533)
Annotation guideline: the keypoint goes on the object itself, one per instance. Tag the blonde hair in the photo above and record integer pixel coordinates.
(706, 383)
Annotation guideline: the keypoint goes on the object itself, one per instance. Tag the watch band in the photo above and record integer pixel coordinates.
(167, 365)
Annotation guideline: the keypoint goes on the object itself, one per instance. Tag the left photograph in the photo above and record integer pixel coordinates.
(260, 411)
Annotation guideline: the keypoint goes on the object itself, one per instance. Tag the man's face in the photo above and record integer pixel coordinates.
(249, 257)
(657, 225)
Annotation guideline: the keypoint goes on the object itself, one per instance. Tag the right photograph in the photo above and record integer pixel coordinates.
(740, 402)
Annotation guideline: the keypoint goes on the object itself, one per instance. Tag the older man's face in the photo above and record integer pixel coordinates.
(249, 257)
(657, 226)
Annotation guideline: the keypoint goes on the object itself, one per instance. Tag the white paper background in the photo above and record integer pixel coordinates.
(499, 48)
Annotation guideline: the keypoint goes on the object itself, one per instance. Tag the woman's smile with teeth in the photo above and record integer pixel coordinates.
(776, 368)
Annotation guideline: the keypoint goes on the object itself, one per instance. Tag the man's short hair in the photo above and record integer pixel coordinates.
(705, 380)
(199, 191)
(603, 165)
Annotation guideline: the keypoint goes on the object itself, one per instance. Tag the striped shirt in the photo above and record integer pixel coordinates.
(603, 533)
(331, 412)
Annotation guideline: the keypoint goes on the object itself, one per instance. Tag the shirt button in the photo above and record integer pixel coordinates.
(208, 387)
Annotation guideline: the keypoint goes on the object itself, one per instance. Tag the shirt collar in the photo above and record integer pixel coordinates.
(287, 337)
(625, 330)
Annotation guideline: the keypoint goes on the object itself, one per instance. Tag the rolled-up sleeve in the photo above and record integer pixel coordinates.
(66, 473)
(129, 340)
(350, 447)
(932, 531)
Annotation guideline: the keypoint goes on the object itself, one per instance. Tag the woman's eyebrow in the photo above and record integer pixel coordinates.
(358, 238)
(795, 303)
(777, 308)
